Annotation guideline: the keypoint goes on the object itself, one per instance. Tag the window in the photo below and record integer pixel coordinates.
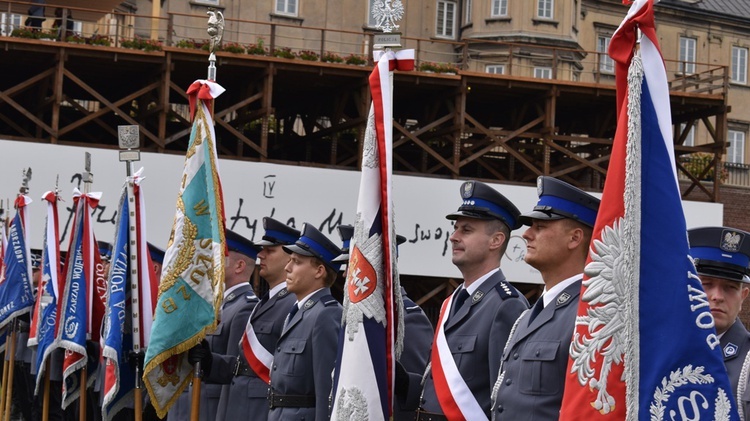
(78, 27)
(467, 11)
(690, 138)
(736, 148)
(606, 64)
(446, 13)
(208, 1)
(543, 72)
(544, 9)
(687, 55)
(9, 23)
(739, 65)
(286, 7)
(499, 8)
(497, 69)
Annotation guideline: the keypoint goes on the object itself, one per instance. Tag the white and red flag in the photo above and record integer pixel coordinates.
(644, 345)
(372, 329)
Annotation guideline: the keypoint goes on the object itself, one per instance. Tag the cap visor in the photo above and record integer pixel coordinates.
(293, 248)
(341, 258)
(463, 214)
(527, 218)
(265, 243)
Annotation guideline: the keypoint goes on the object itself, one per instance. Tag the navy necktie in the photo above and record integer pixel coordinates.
(292, 312)
(264, 299)
(459, 300)
(538, 307)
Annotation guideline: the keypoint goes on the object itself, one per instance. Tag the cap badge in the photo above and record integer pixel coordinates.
(730, 241)
(467, 189)
(539, 186)
(730, 349)
(562, 298)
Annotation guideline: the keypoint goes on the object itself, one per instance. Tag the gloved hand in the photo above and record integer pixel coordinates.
(401, 383)
(201, 353)
(135, 359)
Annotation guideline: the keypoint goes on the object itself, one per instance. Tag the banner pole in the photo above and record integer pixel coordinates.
(11, 367)
(5, 378)
(82, 397)
(45, 399)
(196, 402)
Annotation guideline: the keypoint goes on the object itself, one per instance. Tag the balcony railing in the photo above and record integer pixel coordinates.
(730, 173)
(290, 40)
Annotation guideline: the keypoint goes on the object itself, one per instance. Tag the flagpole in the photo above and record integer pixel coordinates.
(11, 367)
(45, 399)
(5, 377)
(88, 178)
(215, 32)
(128, 139)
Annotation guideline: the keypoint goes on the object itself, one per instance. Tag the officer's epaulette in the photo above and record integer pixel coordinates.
(328, 300)
(252, 298)
(506, 290)
(410, 306)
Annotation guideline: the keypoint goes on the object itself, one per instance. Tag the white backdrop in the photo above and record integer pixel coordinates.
(252, 190)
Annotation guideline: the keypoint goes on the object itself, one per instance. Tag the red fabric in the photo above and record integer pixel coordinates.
(196, 91)
(442, 389)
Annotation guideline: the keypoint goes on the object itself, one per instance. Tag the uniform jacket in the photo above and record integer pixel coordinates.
(305, 356)
(418, 335)
(248, 394)
(535, 361)
(234, 313)
(735, 344)
(476, 334)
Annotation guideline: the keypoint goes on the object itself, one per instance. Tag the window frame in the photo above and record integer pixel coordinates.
(468, 6)
(501, 4)
(545, 9)
(9, 22)
(732, 153)
(736, 63)
(606, 63)
(539, 72)
(687, 63)
(285, 11)
(445, 34)
(495, 66)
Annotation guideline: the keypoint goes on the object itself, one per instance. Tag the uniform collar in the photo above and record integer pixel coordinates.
(471, 289)
(275, 290)
(552, 293)
(304, 300)
(232, 289)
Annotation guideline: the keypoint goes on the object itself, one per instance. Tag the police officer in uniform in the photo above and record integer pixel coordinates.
(220, 349)
(722, 257)
(246, 394)
(535, 358)
(305, 354)
(479, 314)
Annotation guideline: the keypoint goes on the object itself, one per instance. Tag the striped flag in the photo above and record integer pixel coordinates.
(192, 280)
(16, 285)
(644, 345)
(119, 331)
(42, 331)
(79, 296)
(373, 307)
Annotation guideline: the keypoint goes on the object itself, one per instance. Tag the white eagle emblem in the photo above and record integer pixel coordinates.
(604, 321)
(387, 13)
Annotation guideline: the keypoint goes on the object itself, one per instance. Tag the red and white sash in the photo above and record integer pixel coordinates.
(257, 357)
(455, 397)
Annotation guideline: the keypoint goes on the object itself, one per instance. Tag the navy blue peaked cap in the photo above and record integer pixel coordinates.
(314, 243)
(35, 256)
(721, 252)
(157, 254)
(105, 250)
(277, 233)
(242, 245)
(345, 232)
(558, 200)
(481, 201)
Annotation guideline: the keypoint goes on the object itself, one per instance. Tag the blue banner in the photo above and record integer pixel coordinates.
(16, 290)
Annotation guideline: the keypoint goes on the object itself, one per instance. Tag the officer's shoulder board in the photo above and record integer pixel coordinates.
(506, 290)
(251, 298)
(410, 306)
(328, 300)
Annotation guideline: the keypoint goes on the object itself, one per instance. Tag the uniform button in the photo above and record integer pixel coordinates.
(293, 348)
(278, 349)
(537, 353)
(508, 382)
(499, 408)
(515, 356)
(460, 347)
